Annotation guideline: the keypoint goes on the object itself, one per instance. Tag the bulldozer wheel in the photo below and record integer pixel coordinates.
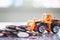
(41, 28)
(55, 29)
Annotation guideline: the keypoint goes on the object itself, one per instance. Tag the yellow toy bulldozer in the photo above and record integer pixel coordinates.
(48, 23)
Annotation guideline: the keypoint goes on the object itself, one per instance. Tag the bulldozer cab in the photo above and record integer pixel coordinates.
(47, 18)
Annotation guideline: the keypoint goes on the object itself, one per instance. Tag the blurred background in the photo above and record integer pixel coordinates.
(23, 10)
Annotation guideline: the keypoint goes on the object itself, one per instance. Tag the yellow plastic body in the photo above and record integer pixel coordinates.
(46, 18)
